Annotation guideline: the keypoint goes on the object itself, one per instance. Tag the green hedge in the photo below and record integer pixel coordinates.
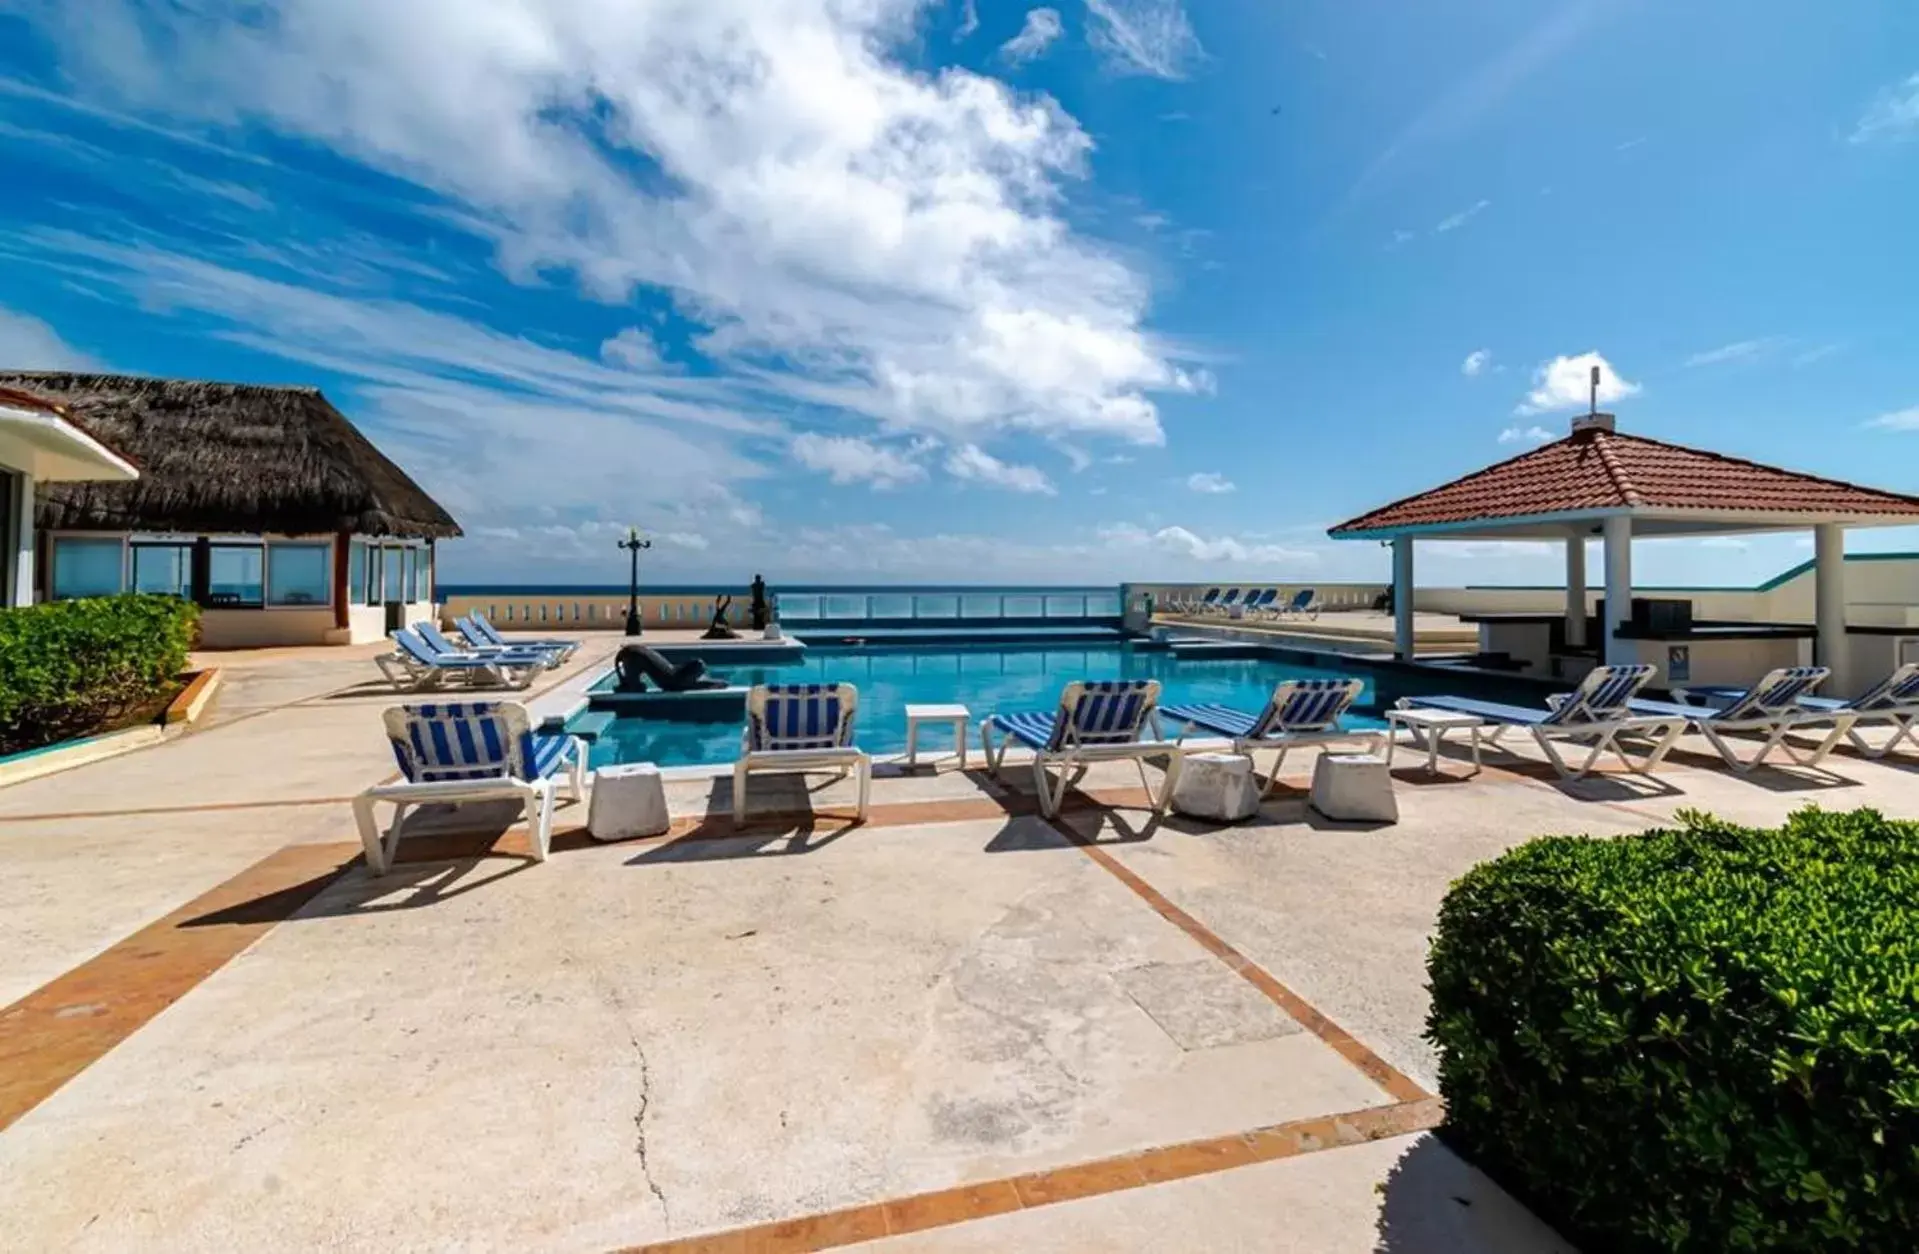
(1702, 1039)
(73, 667)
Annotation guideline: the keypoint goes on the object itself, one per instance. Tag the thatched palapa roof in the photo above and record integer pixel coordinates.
(228, 458)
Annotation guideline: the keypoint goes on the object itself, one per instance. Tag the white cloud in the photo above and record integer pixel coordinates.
(1180, 542)
(1461, 218)
(969, 21)
(1893, 114)
(692, 540)
(1035, 37)
(1209, 483)
(1476, 363)
(849, 459)
(29, 344)
(1566, 383)
(1525, 435)
(1400, 236)
(973, 463)
(632, 348)
(1742, 350)
(1817, 353)
(850, 230)
(1143, 36)
(1898, 420)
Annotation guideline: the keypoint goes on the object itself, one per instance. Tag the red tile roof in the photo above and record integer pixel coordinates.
(1597, 469)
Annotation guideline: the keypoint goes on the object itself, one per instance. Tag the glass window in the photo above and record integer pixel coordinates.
(299, 574)
(391, 572)
(234, 576)
(408, 564)
(86, 568)
(423, 575)
(356, 573)
(164, 568)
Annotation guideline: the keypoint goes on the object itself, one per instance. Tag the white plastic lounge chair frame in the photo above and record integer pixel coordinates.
(1097, 721)
(1595, 714)
(1301, 713)
(437, 640)
(469, 751)
(1893, 700)
(477, 629)
(413, 666)
(800, 727)
(1769, 708)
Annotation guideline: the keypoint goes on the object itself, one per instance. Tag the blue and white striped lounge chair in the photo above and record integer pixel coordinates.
(1256, 605)
(1597, 713)
(1305, 602)
(479, 631)
(470, 751)
(1301, 712)
(1203, 604)
(1893, 700)
(800, 727)
(438, 641)
(1097, 721)
(1225, 606)
(416, 666)
(1772, 708)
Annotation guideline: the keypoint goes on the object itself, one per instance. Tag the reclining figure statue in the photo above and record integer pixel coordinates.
(638, 663)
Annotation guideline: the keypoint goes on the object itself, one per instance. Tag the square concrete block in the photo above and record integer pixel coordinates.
(628, 801)
(1354, 788)
(1218, 786)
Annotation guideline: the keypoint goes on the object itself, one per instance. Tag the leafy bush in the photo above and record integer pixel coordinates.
(72, 667)
(1703, 1039)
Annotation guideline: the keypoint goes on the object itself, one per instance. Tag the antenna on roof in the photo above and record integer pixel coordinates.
(1593, 419)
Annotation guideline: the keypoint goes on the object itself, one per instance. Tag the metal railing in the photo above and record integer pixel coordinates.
(866, 607)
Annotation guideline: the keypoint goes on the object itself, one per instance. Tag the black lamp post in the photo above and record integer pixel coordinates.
(633, 544)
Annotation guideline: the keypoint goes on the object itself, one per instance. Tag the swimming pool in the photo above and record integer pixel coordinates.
(984, 677)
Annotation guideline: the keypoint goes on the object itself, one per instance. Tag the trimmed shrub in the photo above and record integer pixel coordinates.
(1702, 1039)
(68, 668)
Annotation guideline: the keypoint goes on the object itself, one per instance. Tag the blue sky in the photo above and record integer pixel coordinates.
(884, 289)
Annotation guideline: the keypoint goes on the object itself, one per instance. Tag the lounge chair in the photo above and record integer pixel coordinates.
(1597, 711)
(1097, 721)
(1772, 707)
(800, 727)
(479, 631)
(439, 643)
(1894, 700)
(470, 751)
(1300, 712)
(415, 666)
(1226, 604)
(1305, 602)
(1203, 604)
(1257, 605)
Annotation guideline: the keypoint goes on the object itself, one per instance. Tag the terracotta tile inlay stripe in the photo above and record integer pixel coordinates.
(65, 1026)
(1401, 1086)
(965, 1203)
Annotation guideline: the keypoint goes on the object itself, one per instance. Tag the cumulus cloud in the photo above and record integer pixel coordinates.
(1566, 383)
(1143, 36)
(632, 348)
(969, 21)
(1035, 37)
(1525, 435)
(867, 236)
(1210, 483)
(27, 343)
(973, 463)
(1180, 542)
(1476, 363)
(1893, 114)
(849, 459)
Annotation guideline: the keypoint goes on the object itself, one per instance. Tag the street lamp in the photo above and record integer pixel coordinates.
(633, 543)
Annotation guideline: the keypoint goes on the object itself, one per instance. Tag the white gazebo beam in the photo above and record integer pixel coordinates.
(1403, 598)
(1617, 532)
(1829, 604)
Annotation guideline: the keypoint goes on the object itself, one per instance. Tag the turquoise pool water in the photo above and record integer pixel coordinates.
(984, 678)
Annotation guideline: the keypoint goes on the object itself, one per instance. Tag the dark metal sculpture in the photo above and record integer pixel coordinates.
(719, 630)
(638, 663)
(761, 613)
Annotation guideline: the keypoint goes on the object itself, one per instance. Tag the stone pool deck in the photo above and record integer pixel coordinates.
(956, 1027)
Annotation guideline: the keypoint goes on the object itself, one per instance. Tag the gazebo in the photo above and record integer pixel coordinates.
(1599, 481)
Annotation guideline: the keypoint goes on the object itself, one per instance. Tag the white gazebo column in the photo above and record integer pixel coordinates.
(1403, 598)
(19, 587)
(1618, 537)
(1829, 604)
(1576, 589)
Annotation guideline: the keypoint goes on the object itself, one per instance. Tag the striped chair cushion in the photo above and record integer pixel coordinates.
(1604, 694)
(1775, 693)
(459, 740)
(1900, 688)
(1109, 712)
(1306, 705)
(800, 716)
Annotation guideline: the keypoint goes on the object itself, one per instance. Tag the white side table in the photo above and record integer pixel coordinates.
(1431, 726)
(628, 800)
(956, 716)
